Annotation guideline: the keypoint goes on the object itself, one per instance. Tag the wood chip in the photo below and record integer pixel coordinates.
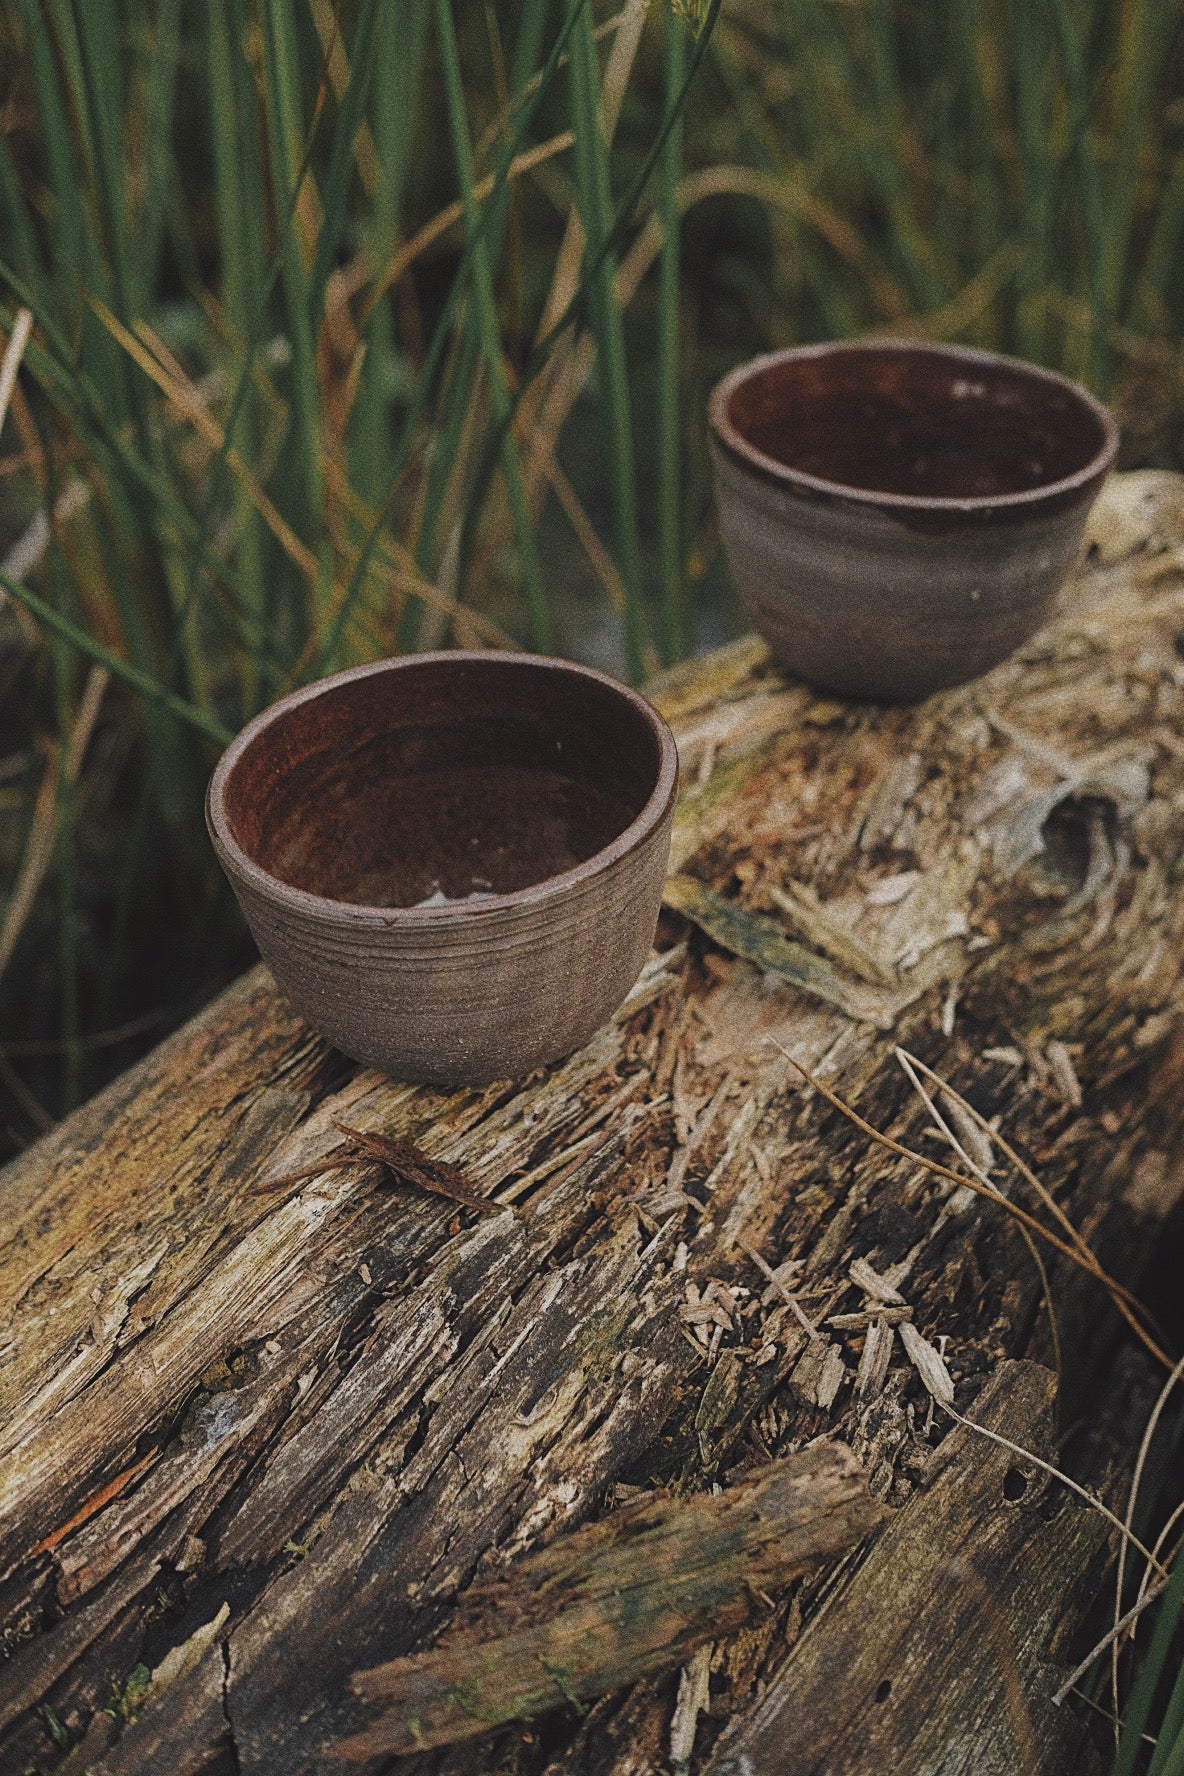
(857, 1322)
(890, 889)
(928, 1364)
(628, 1597)
(823, 932)
(1064, 1076)
(874, 1363)
(873, 1284)
(694, 1693)
(777, 1282)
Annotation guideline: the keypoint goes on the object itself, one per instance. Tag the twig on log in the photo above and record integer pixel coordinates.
(410, 1164)
(619, 1600)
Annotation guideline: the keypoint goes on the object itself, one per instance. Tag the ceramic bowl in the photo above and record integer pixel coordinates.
(452, 863)
(898, 517)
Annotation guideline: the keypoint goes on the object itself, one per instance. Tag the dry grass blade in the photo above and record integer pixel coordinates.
(22, 327)
(451, 216)
(332, 1162)
(1123, 1300)
(791, 1301)
(1008, 1152)
(976, 1122)
(13, 353)
(1082, 1492)
(186, 401)
(44, 830)
(151, 355)
(1111, 1636)
(1149, 1430)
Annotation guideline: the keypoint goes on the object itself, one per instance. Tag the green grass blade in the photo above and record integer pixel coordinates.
(1168, 1757)
(163, 64)
(341, 159)
(1146, 30)
(486, 313)
(70, 235)
(102, 99)
(576, 306)
(282, 95)
(594, 198)
(1163, 249)
(113, 455)
(669, 477)
(148, 687)
(1138, 1708)
(67, 870)
(887, 144)
(16, 221)
(444, 463)
(1032, 100)
(1096, 358)
(237, 187)
(398, 91)
(435, 353)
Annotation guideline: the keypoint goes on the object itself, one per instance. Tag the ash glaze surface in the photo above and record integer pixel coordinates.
(452, 863)
(899, 517)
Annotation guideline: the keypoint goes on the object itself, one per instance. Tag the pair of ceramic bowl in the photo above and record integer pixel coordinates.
(453, 863)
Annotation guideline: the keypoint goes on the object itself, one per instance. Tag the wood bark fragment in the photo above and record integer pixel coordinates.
(617, 1601)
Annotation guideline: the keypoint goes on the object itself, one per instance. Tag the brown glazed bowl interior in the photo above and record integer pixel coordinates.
(898, 515)
(451, 862)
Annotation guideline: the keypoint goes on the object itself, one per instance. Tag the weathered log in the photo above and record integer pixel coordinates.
(336, 1405)
(619, 1600)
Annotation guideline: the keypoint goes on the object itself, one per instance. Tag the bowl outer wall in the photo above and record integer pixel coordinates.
(517, 989)
(462, 995)
(959, 583)
(855, 600)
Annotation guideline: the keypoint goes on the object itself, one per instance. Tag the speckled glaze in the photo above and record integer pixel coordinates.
(898, 517)
(543, 790)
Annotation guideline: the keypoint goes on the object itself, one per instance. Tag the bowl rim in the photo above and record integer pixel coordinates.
(239, 862)
(730, 438)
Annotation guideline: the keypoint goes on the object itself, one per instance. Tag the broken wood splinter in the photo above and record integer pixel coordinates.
(618, 1600)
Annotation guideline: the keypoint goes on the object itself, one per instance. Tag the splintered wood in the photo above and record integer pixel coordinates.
(341, 1391)
(618, 1600)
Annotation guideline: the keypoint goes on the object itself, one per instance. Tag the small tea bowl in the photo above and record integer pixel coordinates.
(452, 863)
(899, 517)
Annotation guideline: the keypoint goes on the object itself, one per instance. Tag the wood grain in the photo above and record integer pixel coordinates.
(945, 1638)
(618, 1600)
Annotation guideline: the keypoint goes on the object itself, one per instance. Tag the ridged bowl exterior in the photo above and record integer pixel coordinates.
(466, 993)
(854, 601)
(883, 595)
(490, 995)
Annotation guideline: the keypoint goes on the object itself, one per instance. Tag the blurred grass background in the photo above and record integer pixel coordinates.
(367, 325)
(362, 326)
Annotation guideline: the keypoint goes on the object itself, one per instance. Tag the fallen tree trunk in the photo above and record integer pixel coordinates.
(335, 1405)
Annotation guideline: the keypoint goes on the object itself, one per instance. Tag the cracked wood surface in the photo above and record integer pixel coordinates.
(945, 1638)
(330, 1408)
(618, 1599)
